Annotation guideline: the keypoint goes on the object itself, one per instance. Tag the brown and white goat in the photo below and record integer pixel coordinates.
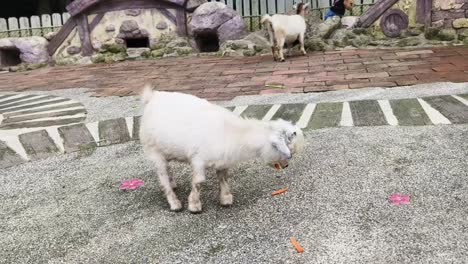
(286, 29)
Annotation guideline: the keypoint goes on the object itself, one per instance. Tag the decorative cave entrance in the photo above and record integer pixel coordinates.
(207, 41)
(9, 57)
(142, 42)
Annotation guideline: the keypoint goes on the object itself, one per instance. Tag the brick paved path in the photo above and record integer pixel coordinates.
(224, 78)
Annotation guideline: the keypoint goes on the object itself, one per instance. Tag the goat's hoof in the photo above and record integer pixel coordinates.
(282, 60)
(176, 206)
(195, 207)
(226, 200)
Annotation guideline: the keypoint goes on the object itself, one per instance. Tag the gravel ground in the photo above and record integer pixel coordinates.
(69, 209)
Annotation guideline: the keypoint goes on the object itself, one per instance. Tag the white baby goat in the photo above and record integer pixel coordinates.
(286, 29)
(185, 128)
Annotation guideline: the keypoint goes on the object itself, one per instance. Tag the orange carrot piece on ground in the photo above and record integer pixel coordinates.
(296, 245)
(280, 191)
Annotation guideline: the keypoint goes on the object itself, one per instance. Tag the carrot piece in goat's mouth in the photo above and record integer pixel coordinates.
(277, 166)
(296, 245)
(280, 191)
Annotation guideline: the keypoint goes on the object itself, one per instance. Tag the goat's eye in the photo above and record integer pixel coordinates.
(294, 134)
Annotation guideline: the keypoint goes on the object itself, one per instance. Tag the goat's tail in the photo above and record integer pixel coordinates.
(147, 93)
(266, 19)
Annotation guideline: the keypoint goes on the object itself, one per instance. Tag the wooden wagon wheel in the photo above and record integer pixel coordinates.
(393, 22)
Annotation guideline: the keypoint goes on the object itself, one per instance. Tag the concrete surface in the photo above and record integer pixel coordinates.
(69, 209)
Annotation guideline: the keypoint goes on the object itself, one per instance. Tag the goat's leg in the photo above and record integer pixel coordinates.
(301, 40)
(165, 180)
(195, 205)
(225, 196)
(273, 51)
(290, 47)
(281, 41)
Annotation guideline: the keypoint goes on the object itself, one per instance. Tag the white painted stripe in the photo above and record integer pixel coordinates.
(55, 136)
(51, 111)
(1, 118)
(14, 143)
(271, 112)
(461, 99)
(50, 102)
(94, 130)
(306, 115)
(346, 116)
(129, 121)
(54, 118)
(435, 116)
(24, 99)
(45, 106)
(239, 109)
(12, 97)
(388, 112)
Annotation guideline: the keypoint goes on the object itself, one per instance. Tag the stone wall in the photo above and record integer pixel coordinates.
(450, 14)
(115, 26)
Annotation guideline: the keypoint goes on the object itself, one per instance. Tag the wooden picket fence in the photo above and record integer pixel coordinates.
(251, 10)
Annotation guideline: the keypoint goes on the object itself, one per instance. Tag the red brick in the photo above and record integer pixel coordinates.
(289, 72)
(409, 72)
(366, 75)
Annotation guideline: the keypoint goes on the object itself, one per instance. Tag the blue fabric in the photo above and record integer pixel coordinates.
(329, 14)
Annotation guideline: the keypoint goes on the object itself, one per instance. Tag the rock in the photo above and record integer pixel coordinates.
(447, 4)
(340, 38)
(408, 42)
(258, 39)
(431, 32)
(239, 44)
(119, 41)
(249, 53)
(133, 12)
(181, 51)
(135, 53)
(113, 48)
(216, 17)
(193, 4)
(233, 29)
(325, 29)
(162, 25)
(32, 49)
(97, 44)
(146, 54)
(465, 41)
(178, 42)
(460, 23)
(72, 50)
(129, 26)
(314, 44)
(157, 46)
(359, 31)
(438, 24)
(168, 50)
(49, 36)
(144, 33)
(110, 28)
(157, 53)
(349, 21)
(413, 32)
(463, 34)
(447, 35)
(360, 41)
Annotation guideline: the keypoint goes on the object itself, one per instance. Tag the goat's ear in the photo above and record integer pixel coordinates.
(306, 6)
(295, 7)
(279, 144)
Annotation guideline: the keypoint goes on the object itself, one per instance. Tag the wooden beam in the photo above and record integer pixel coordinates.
(168, 14)
(181, 22)
(118, 5)
(95, 21)
(63, 33)
(85, 38)
(424, 12)
(78, 6)
(374, 12)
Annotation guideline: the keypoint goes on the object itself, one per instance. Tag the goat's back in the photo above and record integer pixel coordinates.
(291, 24)
(181, 125)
